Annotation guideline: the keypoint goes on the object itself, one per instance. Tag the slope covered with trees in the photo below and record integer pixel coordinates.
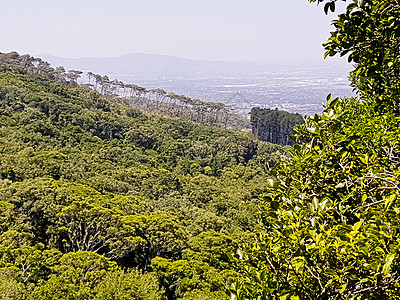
(100, 201)
(332, 214)
(148, 101)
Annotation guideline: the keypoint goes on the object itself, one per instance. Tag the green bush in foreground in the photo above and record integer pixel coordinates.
(332, 216)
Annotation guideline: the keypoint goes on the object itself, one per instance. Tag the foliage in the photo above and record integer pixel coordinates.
(369, 31)
(155, 101)
(11, 289)
(129, 285)
(93, 193)
(183, 278)
(85, 275)
(332, 215)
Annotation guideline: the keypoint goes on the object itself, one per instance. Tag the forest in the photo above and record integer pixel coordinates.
(110, 191)
(273, 125)
(99, 200)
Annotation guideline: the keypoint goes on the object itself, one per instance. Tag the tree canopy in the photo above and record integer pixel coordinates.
(99, 200)
(102, 201)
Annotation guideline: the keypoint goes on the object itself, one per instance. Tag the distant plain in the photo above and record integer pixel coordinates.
(299, 87)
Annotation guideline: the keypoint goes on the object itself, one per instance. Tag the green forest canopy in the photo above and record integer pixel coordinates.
(101, 201)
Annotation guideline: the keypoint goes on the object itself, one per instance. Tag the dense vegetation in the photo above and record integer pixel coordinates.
(100, 201)
(332, 214)
(273, 125)
(368, 32)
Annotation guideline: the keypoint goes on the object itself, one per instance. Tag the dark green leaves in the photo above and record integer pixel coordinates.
(329, 6)
(368, 34)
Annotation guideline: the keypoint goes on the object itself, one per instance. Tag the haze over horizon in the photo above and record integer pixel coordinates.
(294, 87)
(328, 60)
(187, 47)
(223, 30)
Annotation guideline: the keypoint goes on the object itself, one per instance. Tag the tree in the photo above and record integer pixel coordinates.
(181, 277)
(90, 227)
(129, 285)
(153, 235)
(11, 289)
(332, 215)
(73, 76)
(369, 32)
(274, 126)
(106, 161)
(331, 218)
(75, 276)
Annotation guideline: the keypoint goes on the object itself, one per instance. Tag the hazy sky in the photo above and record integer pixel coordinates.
(244, 30)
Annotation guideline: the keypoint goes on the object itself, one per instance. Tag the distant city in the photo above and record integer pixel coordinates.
(293, 87)
(299, 89)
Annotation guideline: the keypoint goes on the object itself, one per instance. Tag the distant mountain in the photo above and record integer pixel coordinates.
(155, 65)
(140, 63)
(295, 87)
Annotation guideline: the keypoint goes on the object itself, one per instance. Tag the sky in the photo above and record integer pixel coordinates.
(227, 30)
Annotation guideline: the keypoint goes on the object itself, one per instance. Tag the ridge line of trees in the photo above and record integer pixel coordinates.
(155, 101)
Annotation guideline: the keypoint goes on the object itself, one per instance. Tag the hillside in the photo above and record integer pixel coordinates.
(101, 201)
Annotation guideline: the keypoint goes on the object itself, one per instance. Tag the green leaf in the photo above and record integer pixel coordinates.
(389, 201)
(329, 6)
(314, 130)
(357, 226)
(274, 205)
(315, 204)
(342, 288)
(386, 269)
